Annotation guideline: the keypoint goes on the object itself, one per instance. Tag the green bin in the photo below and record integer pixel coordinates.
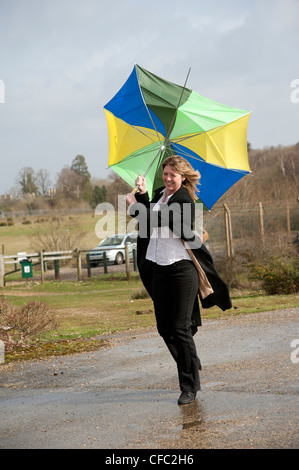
(26, 265)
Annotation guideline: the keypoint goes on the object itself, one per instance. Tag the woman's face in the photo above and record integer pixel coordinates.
(172, 180)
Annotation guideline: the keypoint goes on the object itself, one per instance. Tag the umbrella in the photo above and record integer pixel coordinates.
(150, 118)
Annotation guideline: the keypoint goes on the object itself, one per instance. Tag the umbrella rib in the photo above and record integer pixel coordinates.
(200, 158)
(184, 152)
(170, 127)
(187, 154)
(139, 152)
(148, 134)
(149, 114)
(195, 134)
(176, 110)
(189, 136)
(215, 146)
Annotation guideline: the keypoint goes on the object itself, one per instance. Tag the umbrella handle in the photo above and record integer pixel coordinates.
(134, 190)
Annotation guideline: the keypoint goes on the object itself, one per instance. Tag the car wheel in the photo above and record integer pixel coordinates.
(119, 258)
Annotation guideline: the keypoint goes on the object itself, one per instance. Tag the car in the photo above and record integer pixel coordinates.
(114, 247)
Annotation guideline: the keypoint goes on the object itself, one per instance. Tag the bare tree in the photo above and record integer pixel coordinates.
(59, 233)
(68, 182)
(43, 181)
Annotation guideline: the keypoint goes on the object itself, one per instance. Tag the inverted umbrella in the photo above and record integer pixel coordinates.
(150, 118)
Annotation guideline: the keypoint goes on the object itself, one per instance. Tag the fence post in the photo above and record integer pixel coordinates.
(228, 230)
(57, 267)
(134, 260)
(2, 271)
(45, 264)
(79, 265)
(127, 262)
(262, 222)
(88, 265)
(41, 267)
(105, 262)
(289, 222)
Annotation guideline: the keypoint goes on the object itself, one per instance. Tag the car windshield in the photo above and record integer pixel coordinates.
(112, 241)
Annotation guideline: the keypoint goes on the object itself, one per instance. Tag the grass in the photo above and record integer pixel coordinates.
(18, 237)
(87, 310)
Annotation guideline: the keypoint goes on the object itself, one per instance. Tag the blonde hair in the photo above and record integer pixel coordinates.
(183, 167)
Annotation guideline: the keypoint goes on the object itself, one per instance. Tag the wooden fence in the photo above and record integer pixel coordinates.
(42, 258)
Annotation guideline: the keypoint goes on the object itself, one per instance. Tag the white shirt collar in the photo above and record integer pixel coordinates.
(163, 192)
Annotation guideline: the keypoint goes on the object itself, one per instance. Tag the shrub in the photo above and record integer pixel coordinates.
(140, 294)
(277, 276)
(230, 269)
(23, 326)
(57, 234)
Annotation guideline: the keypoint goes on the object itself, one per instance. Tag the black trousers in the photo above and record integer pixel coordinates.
(174, 288)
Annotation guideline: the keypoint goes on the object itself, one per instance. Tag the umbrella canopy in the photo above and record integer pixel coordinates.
(151, 118)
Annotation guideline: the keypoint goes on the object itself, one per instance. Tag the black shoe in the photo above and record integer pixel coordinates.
(199, 363)
(186, 398)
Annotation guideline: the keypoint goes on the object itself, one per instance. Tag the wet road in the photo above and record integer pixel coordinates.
(125, 396)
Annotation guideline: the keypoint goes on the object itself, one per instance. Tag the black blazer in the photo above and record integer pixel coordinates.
(182, 226)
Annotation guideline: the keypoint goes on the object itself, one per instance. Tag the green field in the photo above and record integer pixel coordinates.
(18, 237)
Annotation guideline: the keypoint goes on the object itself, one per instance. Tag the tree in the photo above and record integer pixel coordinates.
(68, 182)
(79, 165)
(27, 180)
(99, 194)
(117, 187)
(43, 181)
(59, 233)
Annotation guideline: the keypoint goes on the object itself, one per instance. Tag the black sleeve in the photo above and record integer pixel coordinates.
(143, 198)
(177, 215)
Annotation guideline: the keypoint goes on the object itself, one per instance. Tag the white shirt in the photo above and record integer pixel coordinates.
(164, 247)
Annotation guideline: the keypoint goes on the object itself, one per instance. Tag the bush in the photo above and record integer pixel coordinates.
(23, 326)
(277, 276)
(231, 270)
(140, 294)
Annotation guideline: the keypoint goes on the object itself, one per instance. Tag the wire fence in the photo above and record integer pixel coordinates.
(231, 225)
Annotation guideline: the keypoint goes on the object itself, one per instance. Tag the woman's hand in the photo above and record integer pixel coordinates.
(140, 182)
(130, 198)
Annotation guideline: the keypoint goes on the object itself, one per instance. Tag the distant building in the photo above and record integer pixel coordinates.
(51, 191)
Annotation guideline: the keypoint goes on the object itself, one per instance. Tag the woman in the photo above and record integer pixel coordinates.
(167, 270)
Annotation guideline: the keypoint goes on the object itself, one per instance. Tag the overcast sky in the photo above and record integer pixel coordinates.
(61, 61)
